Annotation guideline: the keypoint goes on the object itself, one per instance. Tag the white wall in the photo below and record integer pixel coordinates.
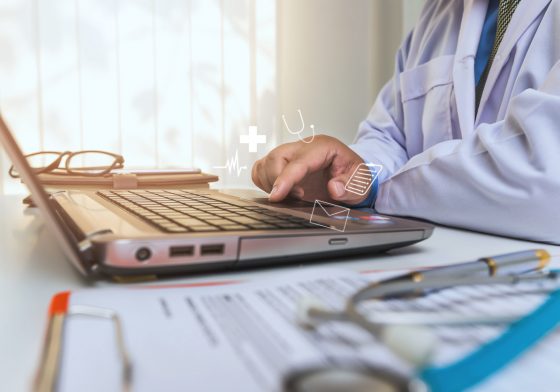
(326, 63)
(334, 57)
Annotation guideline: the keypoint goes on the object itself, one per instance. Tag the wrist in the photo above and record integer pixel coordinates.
(371, 195)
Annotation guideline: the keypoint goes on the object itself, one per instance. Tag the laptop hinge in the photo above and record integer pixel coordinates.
(83, 240)
(85, 244)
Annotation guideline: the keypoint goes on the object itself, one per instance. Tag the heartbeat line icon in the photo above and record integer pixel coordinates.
(232, 165)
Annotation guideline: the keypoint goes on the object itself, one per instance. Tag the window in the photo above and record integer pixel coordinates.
(177, 82)
(165, 83)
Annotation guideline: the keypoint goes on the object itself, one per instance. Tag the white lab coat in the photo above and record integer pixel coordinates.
(496, 173)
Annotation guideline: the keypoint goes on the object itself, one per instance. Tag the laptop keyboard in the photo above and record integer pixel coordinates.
(180, 211)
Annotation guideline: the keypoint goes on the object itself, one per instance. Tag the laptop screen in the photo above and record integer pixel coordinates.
(39, 195)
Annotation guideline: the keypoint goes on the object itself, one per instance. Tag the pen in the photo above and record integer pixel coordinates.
(510, 263)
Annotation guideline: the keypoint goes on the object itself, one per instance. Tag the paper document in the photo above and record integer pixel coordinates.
(245, 337)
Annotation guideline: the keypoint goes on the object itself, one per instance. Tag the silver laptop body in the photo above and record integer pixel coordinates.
(103, 239)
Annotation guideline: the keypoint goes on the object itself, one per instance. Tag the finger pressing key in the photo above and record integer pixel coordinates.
(293, 173)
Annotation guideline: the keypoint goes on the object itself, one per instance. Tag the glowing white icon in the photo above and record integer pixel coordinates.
(337, 215)
(362, 178)
(298, 133)
(253, 139)
(232, 165)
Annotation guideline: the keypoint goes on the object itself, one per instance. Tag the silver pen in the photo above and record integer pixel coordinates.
(515, 263)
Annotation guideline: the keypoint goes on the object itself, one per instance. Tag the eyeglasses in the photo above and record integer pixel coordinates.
(88, 163)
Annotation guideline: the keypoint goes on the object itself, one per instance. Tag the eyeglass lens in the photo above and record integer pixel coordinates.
(42, 160)
(91, 162)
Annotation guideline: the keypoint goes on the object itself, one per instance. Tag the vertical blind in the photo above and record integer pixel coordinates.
(167, 83)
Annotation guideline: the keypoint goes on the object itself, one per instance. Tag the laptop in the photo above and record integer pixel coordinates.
(119, 233)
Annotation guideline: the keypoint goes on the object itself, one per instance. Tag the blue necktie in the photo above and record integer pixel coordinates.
(506, 10)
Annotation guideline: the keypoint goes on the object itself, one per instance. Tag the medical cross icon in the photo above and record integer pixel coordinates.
(253, 139)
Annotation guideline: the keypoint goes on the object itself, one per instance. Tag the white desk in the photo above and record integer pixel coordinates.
(32, 269)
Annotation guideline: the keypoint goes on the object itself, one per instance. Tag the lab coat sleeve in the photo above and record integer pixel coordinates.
(504, 178)
(380, 138)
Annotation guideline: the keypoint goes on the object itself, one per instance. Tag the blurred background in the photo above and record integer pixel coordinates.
(175, 83)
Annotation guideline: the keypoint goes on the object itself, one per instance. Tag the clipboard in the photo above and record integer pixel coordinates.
(59, 311)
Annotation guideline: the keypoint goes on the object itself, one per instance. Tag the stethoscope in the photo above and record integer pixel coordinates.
(298, 133)
(407, 336)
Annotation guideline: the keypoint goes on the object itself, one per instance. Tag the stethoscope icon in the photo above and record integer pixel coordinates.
(298, 133)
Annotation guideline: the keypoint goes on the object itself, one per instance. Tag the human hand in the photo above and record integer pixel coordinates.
(310, 171)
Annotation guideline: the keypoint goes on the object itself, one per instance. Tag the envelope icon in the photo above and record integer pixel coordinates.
(329, 215)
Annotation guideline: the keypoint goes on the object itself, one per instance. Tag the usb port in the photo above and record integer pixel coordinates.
(181, 251)
(213, 249)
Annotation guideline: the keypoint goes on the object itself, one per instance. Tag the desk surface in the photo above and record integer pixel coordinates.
(32, 269)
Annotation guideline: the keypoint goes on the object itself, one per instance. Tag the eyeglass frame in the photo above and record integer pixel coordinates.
(118, 163)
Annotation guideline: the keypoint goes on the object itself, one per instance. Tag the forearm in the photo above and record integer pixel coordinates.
(504, 178)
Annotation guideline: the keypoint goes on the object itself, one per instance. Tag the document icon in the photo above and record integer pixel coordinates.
(337, 215)
(362, 178)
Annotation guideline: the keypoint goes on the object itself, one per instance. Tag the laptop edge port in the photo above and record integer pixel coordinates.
(181, 251)
(212, 249)
(143, 254)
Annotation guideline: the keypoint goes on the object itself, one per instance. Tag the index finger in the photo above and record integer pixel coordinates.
(293, 173)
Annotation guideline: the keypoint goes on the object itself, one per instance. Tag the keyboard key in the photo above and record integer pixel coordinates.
(189, 222)
(255, 215)
(197, 213)
(296, 219)
(289, 225)
(244, 220)
(226, 213)
(174, 215)
(204, 228)
(234, 227)
(161, 220)
(263, 226)
(176, 229)
(170, 225)
(220, 222)
(275, 220)
(277, 214)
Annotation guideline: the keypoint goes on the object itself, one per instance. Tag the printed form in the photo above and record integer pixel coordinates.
(246, 337)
